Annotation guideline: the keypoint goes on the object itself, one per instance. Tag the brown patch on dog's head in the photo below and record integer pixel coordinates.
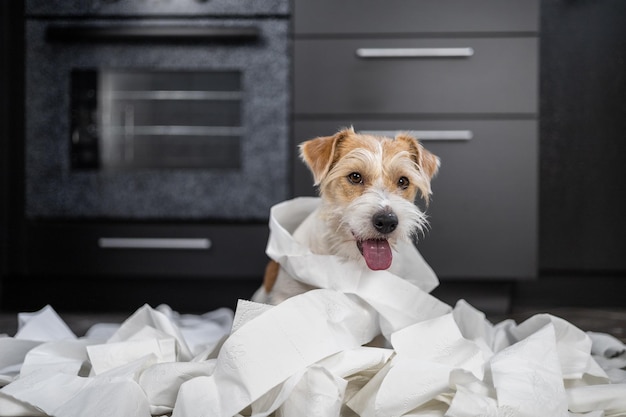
(320, 153)
(402, 164)
(426, 162)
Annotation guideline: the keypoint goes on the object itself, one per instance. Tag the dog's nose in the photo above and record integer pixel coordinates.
(385, 221)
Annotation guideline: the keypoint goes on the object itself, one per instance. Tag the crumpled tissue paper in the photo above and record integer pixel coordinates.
(310, 354)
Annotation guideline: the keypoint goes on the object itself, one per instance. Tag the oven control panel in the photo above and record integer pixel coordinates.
(165, 8)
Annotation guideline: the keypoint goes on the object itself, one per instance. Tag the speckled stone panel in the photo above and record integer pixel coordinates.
(53, 190)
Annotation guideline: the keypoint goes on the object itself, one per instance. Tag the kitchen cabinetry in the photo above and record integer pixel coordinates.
(138, 116)
(463, 76)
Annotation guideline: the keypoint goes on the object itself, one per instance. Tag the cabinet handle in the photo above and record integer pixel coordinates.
(154, 243)
(414, 52)
(426, 134)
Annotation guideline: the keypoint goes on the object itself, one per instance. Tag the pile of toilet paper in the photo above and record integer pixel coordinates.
(311, 355)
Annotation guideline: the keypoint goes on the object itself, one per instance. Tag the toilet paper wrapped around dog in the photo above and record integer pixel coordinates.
(400, 300)
(306, 356)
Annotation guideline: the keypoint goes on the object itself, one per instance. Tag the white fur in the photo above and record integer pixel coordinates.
(335, 227)
(324, 238)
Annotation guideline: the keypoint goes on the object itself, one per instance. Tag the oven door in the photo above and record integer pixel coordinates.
(156, 119)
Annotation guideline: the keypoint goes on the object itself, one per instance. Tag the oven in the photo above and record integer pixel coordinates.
(152, 117)
(156, 136)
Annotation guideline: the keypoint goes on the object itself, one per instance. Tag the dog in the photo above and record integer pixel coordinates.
(368, 186)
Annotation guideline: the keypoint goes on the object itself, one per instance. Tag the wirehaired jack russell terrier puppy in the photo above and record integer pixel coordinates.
(368, 186)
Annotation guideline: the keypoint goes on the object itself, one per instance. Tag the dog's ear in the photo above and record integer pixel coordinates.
(320, 153)
(427, 161)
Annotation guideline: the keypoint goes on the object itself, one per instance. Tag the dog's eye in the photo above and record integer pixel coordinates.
(355, 178)
(403, 183)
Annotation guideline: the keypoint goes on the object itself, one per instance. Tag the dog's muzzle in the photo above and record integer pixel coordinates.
(377, 252)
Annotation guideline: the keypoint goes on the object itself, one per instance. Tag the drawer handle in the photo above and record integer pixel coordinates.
(154, 243)
(426, 134)
(414, 52)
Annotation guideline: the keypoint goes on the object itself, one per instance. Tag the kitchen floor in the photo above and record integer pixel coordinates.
(611, 321)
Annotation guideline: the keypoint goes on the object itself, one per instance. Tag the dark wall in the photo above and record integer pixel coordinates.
(11, 79)
(582, 216)
(3, 142)
(583, 137)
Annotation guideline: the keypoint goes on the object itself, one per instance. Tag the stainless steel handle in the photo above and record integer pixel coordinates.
(414, 52)
(426, 134)
(154, 243)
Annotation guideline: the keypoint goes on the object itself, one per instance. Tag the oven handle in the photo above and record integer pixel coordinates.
(149, 32)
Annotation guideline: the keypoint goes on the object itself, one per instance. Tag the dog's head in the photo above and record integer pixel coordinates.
(368, 186)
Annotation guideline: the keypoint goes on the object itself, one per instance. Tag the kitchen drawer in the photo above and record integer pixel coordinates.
(147, 250)
(483, 212)
(500, 77)
(403, 16)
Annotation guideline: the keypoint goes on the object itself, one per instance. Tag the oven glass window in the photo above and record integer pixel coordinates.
(156, 119)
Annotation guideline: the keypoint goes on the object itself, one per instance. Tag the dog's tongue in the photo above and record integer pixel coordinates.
(377, 254)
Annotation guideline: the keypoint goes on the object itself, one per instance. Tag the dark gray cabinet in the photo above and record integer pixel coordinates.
(464, 77)
(331, 77)
(425, 17)
(146, 251)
